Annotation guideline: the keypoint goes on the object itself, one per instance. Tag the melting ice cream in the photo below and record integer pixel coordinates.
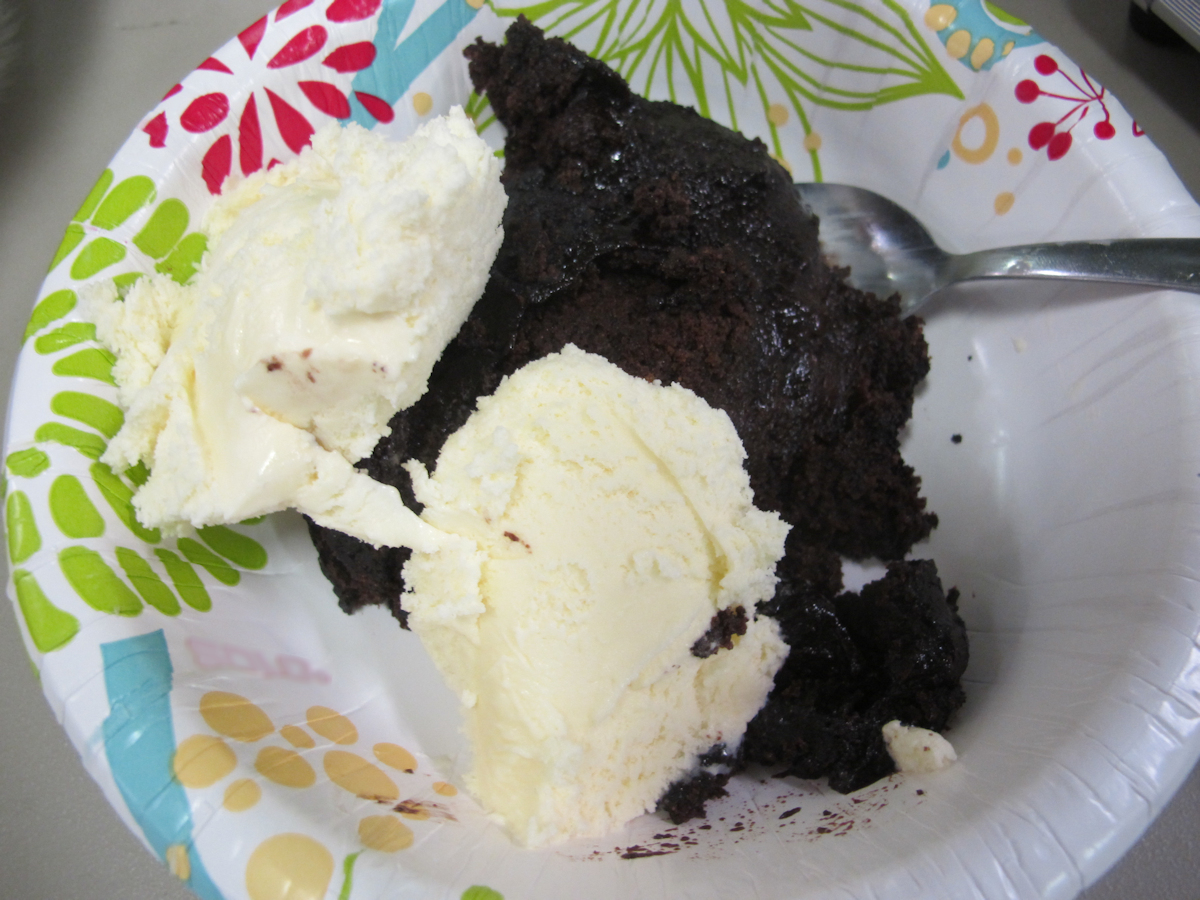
(330, 287)
(607, 521)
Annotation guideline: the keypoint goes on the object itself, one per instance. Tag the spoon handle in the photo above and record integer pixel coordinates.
(1155, 262)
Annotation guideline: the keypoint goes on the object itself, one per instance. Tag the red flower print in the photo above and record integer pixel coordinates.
(250, 144)
(290, 7)
(351, 10)
(252, 36)
(272, 45)
(217, 163)
(1059, 145)
(1052, 135)
(1045, 65)
(293, 127)
(205, 113)
(306, 44)
(326, 98)
(157, 129)
(351, 57)
(213, 64)
(1040, 134)
(376, 106)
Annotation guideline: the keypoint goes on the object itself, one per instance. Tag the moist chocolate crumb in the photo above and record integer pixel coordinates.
(685, 799)
(726, 624)
(361, 575)
(897, 650)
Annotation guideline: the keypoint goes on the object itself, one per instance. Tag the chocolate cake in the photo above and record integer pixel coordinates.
(678, 250)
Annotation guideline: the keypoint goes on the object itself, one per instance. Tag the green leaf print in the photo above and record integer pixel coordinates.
(119, 496)
(147, 583)
(28, 463)
(24, 539)
(66, 336)
(246, 552)
(119, 215)
(50, 308)
(99, 189)
(49, 626)
(1002, 15)
(94, 362)
(96, 583)
(184, 260)
(348, 875)
(75, 232)
(164, 230)
(200, 555)
(123, 201)
(90, 445)
(124, 280)
(106, 209)
(105, 417)
(163, 237)
(73, 512)
(792, 55)
(475, 107)
(71, 239)
(187, 583)
(100, 253)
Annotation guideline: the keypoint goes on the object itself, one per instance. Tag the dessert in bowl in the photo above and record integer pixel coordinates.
(961, 489)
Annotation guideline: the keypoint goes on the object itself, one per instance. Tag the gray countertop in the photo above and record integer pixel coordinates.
(85, 72)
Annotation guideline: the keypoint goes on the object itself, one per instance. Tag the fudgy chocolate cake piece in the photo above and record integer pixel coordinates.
(897, 650)
(678, 250)
(685, 799)
(727, 624)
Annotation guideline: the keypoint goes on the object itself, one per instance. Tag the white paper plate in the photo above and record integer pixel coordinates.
(1068, 506)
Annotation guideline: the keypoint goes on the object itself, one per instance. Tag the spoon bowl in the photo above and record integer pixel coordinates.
(889, 251)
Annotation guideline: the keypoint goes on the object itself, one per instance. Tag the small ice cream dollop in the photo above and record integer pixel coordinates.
(607, 521)
(915, 749)
(330, 288)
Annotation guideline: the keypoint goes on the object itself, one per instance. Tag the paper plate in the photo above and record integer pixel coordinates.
(265, 745)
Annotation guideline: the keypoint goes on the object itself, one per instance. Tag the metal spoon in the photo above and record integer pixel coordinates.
(889, 251)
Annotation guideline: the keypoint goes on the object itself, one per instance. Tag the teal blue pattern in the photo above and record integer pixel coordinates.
(139, 740)
(396, 66)
(974, 18)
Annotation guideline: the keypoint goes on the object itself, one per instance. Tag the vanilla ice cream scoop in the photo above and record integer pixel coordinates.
(608, 520)
(330, 288)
